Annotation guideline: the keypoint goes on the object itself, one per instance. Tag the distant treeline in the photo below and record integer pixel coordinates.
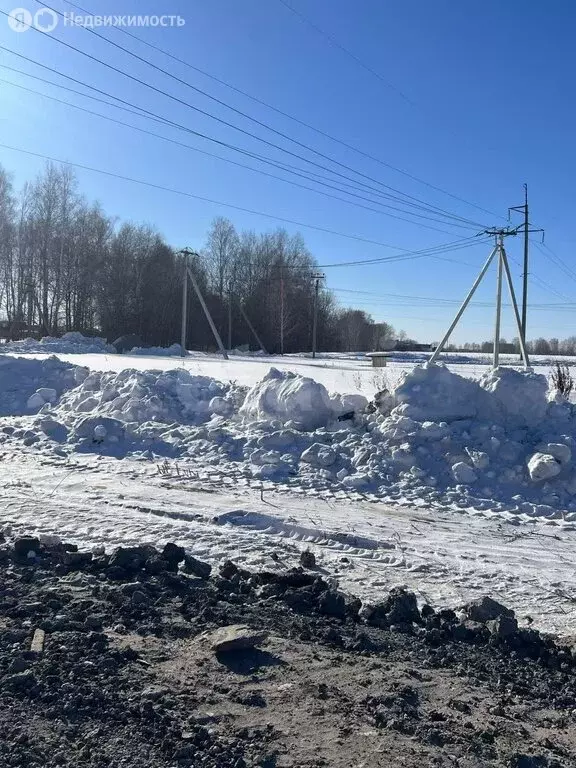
(538, 346)
(66, 265)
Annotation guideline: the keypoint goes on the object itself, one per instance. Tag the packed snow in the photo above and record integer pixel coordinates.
(72, 342)
(503, 442)
(498, 447)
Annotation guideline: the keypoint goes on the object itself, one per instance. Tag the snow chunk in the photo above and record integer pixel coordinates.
(559, 451)
(27, 385)
(319, 455)
(463, 473)
(542, 466)
(174, 350)
(433, 393)
(72, 342)
(521, 397)
(287, 396)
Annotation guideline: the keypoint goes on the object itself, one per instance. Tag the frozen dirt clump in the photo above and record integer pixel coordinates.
(27, 385)
(72, 342)
(284, 396)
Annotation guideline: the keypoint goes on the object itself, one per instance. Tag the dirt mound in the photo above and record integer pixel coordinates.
(109, 660)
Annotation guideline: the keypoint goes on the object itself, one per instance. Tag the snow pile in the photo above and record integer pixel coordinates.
(72, 342)
(288, 398)
(137, 397)
(175, 350)
(27, 385)
(434, 393)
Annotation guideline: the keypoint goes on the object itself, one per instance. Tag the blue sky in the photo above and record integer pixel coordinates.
(475, 98)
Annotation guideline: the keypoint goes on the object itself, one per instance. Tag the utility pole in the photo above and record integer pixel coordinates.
(526, 228)
(503, 270)
(316, 277)
(190, 274)
(184, 303)
(281, 311)
(229, 316)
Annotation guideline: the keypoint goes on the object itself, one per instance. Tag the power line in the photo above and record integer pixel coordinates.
(286, 114)
(420, 204)
(199, 197)
(345, 50)
(260, 158)
(201, 151)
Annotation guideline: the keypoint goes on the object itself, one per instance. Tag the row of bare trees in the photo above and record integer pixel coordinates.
(66, 265)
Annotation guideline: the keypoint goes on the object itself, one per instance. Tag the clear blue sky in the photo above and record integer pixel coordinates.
(476, 98)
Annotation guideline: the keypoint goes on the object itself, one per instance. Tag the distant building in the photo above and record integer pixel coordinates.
(412, 346)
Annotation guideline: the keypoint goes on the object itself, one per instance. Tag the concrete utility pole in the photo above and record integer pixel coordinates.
(281, 311)
(230, 317)
(316, 277)
(503, 270)
(186, 252)
(526, 229)
(184, 303)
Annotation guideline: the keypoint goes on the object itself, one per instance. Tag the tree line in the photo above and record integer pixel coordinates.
(539, 346)
(66, 265)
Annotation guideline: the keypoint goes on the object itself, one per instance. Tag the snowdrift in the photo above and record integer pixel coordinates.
(438, 440)
(27, 385)
(72, 342)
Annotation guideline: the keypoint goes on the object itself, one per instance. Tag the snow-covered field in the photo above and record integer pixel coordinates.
(458, 483)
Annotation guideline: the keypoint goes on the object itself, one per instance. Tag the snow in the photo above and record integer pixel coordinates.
(175, 350)
(447, 557)
(542, 466)
(464, 456)
(26, 385)
(288, 397)
(72, 342)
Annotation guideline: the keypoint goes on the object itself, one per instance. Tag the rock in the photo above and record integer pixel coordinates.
(197, 567)
(307, 559)
(235, 637)
(131, 558)
(77, 559)
(228, 569)
(463, 473)
(173, 553)
(139, 597)
(486, 609)
(26, 544)
(528, 761)
(543, 466)
(502, 627)
(400, 607)
(332, 604)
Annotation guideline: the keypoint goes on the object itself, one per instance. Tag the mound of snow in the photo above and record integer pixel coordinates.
(521, 397)
(433, 393)
(284, 396)
(175, 350)
(27, 385)
(72, 342)
(132, 396)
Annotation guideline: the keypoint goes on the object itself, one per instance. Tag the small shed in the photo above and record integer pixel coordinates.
(378, 359)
